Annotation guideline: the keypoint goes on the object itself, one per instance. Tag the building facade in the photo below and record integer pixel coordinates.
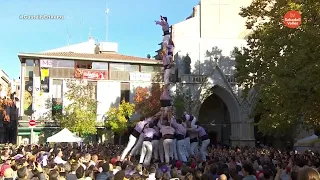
(45, 76)
(203, 45)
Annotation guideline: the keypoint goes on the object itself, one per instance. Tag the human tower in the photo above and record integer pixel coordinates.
(164, 137)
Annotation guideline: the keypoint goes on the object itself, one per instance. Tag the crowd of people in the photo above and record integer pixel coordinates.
(103, 161)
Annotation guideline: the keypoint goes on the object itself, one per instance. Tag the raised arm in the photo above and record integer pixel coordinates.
(161, 23)
(193, 122)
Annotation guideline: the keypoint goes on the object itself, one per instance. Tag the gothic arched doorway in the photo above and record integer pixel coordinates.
(214, 115)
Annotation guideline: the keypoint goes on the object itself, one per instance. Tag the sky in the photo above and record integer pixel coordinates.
(130, 24)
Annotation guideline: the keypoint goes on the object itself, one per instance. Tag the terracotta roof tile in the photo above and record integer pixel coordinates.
(107, 56)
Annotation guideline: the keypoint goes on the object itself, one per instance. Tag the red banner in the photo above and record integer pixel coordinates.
(90, 74)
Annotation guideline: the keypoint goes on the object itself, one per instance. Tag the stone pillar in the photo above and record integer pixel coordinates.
(247, 128)
(235, 133)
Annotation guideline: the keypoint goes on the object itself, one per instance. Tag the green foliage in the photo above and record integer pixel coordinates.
(179, 103)
(282, 64)
(117, 118)
(80, 115)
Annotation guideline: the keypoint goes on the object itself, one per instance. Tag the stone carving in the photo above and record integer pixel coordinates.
(245, 106)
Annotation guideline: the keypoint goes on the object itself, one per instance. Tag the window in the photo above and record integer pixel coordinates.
(150, 68)
(36, 63)
(131, 68)
(64, 63)
(116, 67)
(100, 65)
(29, 72)
(57, 90)
(125, 92)
(29, 62)
(84, 64)
(124, 67)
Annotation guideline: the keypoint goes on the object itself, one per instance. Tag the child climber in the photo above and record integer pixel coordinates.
(165, 28)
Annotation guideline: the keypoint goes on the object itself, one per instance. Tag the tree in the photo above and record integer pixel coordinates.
(117, 118)
(282, 64)
(148, 102)
(180, 101)
(81, 114)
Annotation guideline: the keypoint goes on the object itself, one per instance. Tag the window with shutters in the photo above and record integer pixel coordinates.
(121, 71)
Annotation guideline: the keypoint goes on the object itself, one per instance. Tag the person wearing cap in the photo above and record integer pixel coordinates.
(205, 141)
(135, 135)
(168, 135)
(165, 28)
(146, 151)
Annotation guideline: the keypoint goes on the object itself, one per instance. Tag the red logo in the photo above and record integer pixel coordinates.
(32, 123)
(292, 19)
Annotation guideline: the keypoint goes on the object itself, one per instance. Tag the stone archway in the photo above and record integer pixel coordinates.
(220, 114)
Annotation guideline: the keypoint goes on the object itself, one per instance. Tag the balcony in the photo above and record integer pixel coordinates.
(193, 79)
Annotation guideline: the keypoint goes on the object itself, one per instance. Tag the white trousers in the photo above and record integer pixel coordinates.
(187, 146)
(182, 150)
(203, 149)
(166, 76)
(168, 149)
(146, 153)
(194, 148)
(161, 150)
(137, 147)
(132, 141)
(165, 40)
(175, 153)
(155, 149)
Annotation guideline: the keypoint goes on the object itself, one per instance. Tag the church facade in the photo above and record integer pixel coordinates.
(203, 56)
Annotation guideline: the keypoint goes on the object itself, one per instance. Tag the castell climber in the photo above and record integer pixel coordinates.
(167, 61)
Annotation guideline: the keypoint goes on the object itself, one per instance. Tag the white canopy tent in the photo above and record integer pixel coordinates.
(307, 143)
(64, 136)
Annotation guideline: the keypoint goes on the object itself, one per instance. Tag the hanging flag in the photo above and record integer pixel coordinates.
(44, 80)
